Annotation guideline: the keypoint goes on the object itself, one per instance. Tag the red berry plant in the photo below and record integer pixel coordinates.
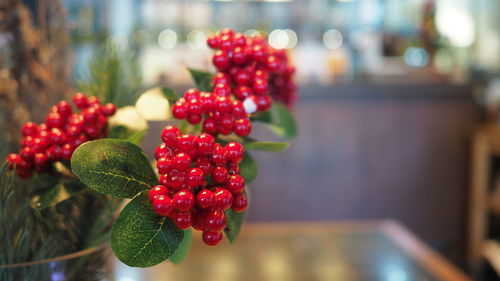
(203, 167)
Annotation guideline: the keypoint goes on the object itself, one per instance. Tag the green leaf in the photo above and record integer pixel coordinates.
(115, 167)
(182, 252)
(119, 132)
(140, 237)
(54, 195)
(279, 120)
(171, 95)
(202, 79)
(248, 168)
(266, 146)
(137, 137)
(234, 223)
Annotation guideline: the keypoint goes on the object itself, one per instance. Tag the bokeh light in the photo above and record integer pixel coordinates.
(416, 57)
(167, 39)
(333, 39)
(197, 39)
(457, 26)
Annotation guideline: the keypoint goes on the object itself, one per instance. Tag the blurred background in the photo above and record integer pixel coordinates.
(397, 105)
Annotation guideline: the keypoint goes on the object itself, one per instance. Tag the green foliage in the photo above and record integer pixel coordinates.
(279, 120)
(202, 79)
(137, 137)
(114, 167)
(249, 169)
(266, 146)
(234, 223)
(171, 95)
(55, 194)
(182, 252)
(113, 76)
(140, 237)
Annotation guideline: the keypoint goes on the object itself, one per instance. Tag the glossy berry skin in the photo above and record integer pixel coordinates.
(183, 200)
(242, 127)
(40, 161)
(235, 151)
(215, 220)
(235, 184)
(223, 199)
(220, 155)
(221, 60)
(108, 109)
(205, 143)
(220, 174)
(186, 143)
(29, 129)
(205, 199)
(54, 120)
(181, 161)
(212, 238)
(162, 150)
(195, 177)
(13, 160)
(180, 110)
(27, 153)
(163, 205)
(157, 191)
(169, 135)
(176, 179)
(64, 108)
(240, 203)
(213, 41)
(183, 220)
(204, 165)
(80, 100)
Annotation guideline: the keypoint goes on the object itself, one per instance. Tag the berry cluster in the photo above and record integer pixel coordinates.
(63, 131)
(199, 180)
(222, 115)
(252, 69)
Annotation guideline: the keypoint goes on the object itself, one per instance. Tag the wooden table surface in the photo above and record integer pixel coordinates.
(340, 251)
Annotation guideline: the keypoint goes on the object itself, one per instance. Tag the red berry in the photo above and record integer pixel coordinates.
(27, 141)
(24, 165)
(233, 168)
(260, 86)
(239, 55)
(205, 143)
(80, 100)
(180, 110)
(73, 131)
(27, 153)
(186, 142)
(40, 144)
(242, 92)
(24, 174)
(204, 165)
(207, 101)
(237, 109)
(223, 104)
(54, 120)
(191, 94)
(223, 199)
(264, 102)
(221, 60)
(157, 191)
(183, 220)
(236, 151)
(108, 109)
(212, 238)
(220, 155)
(163, 205)
(57, 136)
(215, 220)
(205, 199)
(236, 184)
(54, 153)
(93, 100)
(90, 115)
(194, 106)
(198, 217)
(220, 174)
(92, 132)
(272, 63)
(240, 203)
(40, 160)
(243, 77)
(163, 180)
(222, 78)
(13, 160)
(222, 90)
(195, 177)
(261, 74)
(162, 150)
(242, 127)
(164, 165)
(67, 151)
(30, 129)
(226, 31)
(169, 135)
(176, 179)
(258, 53)
(209, 126)
(64, 108)
(213, 41)
(239, 40)
(183, 200)
(226, 43)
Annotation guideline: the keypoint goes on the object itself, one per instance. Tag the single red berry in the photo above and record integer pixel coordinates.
(27, 153)
(108, 109)
(13, 160)
(226, 31)
(223, 199)
(221, 60)
(212, 238)
(236, 151)
(163, 205)
(93, 100)
(222, 78)
(157, 191)
(73, 131)
(67, 151)
(243, 77)
(205, 143)
(186, 142)
(54, 120)
(180, 110)
(235, 184)
(54, 153)
(213, 41)
(207, 101)
(237, 109)
(205, 199)
(163, 180)
(215, 220)
(273, 63)
(264, 102)
(30, 129)
(176, 179)
(226, 122)
(183, 220)
(92, 132)
(220, 174)
(220, 155)
(261, 74)
(194, 106)
(64, 108)
(204, 164)
(169, 135)
(195, 177)
(260, 86)
(222, 90)
(24, 165)
(242, 127)
(233, 168)
(57, 136)
(194, 118)
(40, 144)
(80, 100)
(258, 53)
(79, 140)
(223, 104)
(210, 126)
(226, 43)
(223, 129)
(164, 165)
(242, 92)
(191, 94)
(239, 40)
(41, 161)
(239, 55)
(183, 200)
(162, 150)
(240, 203)
(27, 141)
